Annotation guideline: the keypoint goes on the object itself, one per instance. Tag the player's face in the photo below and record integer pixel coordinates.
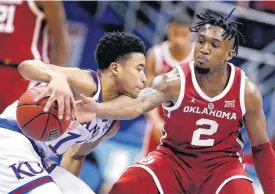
(179, 35)
(211, 49)
(131, 78)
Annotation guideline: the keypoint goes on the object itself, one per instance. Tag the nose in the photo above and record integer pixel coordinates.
(205, 49)
(143, 78)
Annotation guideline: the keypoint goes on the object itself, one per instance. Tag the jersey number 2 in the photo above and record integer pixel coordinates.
(6, 18)
(196, 139)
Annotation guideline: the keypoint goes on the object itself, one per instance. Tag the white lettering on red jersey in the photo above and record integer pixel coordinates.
(202, 129)
(21, 35)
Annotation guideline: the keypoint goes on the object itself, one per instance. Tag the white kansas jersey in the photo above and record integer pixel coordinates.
(76, 134)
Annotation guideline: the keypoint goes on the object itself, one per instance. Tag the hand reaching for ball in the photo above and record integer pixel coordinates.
(85, 109)
(59, 90)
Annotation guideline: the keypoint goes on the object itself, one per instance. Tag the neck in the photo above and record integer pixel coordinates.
(108, 87)
(214, 83)
(178, 54)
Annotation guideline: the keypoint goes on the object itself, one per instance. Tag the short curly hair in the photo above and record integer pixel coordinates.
(115, 47)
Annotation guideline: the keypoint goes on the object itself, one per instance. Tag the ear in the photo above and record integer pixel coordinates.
(230, 55)
(114, 68)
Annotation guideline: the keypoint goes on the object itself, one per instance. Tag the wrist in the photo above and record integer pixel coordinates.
(79, 157)
(54, 75)
(97, 109)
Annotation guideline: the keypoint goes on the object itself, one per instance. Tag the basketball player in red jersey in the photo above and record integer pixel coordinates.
(206, 103)
(22, 37)
(162, 58)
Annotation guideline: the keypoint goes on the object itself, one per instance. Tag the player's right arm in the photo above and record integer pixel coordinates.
(74, 157)
(61, 80)
(164, 88)
(153, 116)
(255, 124)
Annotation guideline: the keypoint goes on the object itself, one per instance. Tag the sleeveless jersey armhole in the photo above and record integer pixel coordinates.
(242, 93)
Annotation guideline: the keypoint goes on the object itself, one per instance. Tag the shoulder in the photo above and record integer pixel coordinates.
(253, 98)
(85, 79)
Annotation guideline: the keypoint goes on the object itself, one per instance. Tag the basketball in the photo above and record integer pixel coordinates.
(34, 122)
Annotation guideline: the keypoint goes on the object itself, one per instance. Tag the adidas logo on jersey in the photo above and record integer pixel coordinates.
(215, 113)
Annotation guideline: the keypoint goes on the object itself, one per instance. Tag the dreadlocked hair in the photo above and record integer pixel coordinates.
(216, 19)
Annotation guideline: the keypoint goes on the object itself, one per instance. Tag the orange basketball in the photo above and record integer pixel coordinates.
(34, 122)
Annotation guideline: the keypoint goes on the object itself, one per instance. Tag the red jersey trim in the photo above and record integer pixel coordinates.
(230, 179)
(40, 16)
(202, 94)
(151, 172)
(242, 93)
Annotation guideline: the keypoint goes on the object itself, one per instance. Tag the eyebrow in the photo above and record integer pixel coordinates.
(215, 39)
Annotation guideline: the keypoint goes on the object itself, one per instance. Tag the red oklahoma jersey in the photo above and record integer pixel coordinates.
(201, 130)
(20, 32)
(164, 62)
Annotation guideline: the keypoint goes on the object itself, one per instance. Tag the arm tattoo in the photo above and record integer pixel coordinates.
(149, 99)
(147, 91)
(161, 82)
(159, 92)
(172, 76)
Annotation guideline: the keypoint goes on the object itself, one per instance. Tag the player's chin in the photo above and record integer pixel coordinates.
(135, 93)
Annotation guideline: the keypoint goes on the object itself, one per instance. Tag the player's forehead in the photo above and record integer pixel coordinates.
(212, 32)
(136, 59)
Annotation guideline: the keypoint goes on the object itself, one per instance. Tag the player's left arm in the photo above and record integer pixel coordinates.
(262, 151)
(164, 88)
(74, 157)
(56, 19)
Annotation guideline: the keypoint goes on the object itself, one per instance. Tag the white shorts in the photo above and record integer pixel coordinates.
(22, 171)
(67, 182)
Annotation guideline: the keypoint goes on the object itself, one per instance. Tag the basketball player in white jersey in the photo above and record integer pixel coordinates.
(162, 58)
(121, 61)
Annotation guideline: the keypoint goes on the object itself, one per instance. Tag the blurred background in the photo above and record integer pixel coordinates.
(149, 20)
(89, 20)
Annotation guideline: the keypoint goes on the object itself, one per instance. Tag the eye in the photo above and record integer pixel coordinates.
(139, 68)
(201, 41)
(215, 45)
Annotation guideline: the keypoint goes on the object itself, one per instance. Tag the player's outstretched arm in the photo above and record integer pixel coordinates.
(61, 80)
(255, 123)
(165, 87)
(153, 116)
